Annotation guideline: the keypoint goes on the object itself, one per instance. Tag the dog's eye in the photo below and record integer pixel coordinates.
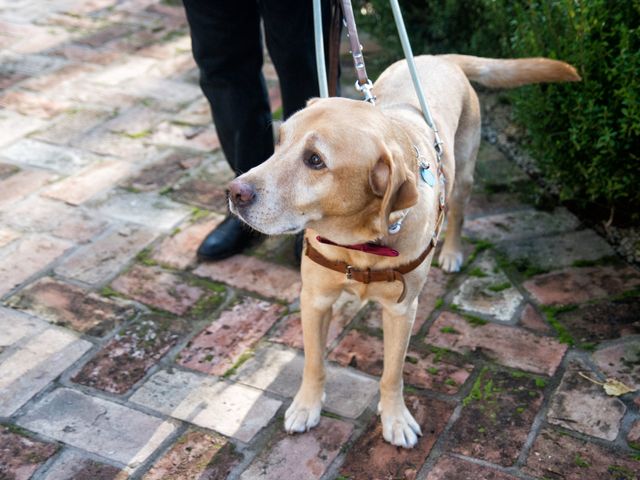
(314, 161)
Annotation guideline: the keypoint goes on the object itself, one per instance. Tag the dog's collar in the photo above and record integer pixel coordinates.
(368, 247)
(367, 276)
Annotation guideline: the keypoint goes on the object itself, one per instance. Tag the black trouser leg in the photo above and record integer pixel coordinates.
(288, 28)
(227, 47)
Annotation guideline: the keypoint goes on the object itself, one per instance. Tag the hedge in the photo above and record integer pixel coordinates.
(585, 136)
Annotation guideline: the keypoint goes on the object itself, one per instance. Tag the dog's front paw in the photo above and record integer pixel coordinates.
(399, 427)
(303, 414)
(450, 261)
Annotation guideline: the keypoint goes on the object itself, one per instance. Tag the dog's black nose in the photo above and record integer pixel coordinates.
(241, 193)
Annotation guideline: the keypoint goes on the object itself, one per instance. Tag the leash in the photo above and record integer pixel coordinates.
(365, 86)
(319, 44)
(408, 53)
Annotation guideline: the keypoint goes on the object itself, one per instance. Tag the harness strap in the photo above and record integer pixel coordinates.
(367, 275)
(363, 84)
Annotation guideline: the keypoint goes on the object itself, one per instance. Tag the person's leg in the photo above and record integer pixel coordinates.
(227, 47)
(288, 26)
(289, 34)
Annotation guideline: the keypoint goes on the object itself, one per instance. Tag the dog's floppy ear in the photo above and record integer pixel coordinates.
(395, 184)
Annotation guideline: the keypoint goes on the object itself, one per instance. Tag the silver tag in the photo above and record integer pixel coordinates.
(395, 228)
(427, 176)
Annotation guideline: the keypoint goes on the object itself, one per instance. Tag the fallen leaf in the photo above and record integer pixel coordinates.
(611, 386)
(615, 388)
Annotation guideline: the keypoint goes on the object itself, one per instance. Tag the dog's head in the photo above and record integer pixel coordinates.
(337, 168)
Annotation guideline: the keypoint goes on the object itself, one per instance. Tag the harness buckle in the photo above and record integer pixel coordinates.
(349, 272)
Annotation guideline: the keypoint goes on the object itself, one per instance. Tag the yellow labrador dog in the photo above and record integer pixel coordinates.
(365, 183)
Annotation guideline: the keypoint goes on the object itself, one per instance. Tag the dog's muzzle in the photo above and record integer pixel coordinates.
(241, 193)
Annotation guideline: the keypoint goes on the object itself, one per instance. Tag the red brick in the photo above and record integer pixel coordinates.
(484, 203)
(372, 457)
(621, 361)
(197, 113)
(365, 353)
(71, 306)
(179, 250)
(42, 215)
(159, 289)
(202, 193)
(451, 468)
(497, 416)
(633, 437)
(583, 406)
(185, 136)
(608, 320)
(32, 104)
(289, 331)
(72, 125)
(73, 465)
(104, 142)
(14, 127)
(305, 456)
(147, 208)
(216, 348)
(434, 289)
(531, 319)
(164, 173)
(20, 456)
(21, 184)
(557, 455)
(510, 346)
(7, 236)
(80, 53)
(106, 34)
(133, 122)
(50, 80)
(30, 255)
(579, 285)
(521, 224)
(556, 252)
(78, 188)
(101, 260)
(254, 275)
(124, 360)
(61, 159)
(196, 455)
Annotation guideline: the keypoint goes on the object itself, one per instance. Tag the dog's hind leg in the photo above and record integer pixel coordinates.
(304, 412)
(398, 425)
(467, 142)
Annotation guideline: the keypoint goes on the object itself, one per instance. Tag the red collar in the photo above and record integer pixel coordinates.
(372, 248)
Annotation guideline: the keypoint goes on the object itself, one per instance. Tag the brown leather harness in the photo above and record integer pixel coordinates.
(367, 275)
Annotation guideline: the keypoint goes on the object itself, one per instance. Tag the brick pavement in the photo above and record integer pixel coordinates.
(121, 357)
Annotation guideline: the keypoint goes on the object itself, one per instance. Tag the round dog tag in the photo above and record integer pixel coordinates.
(395, 228)
(427, 176)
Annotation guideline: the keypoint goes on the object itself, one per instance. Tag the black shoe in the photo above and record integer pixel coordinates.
(230, 237)
(297, 246)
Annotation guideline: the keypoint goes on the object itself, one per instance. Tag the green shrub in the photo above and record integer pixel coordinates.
(437, 26)
(585, 136)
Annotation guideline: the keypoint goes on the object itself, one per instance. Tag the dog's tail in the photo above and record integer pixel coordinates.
(496, 73)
